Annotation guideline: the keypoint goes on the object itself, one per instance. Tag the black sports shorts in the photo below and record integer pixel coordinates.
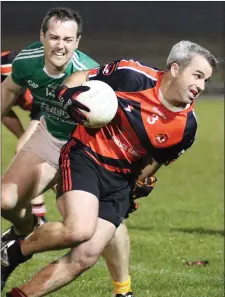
(78, 171)
(35, 113)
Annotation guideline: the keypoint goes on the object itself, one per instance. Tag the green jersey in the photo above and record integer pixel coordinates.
(28, 71)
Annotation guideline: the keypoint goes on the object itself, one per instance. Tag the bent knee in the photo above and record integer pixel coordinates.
(9, 196)
(79, 236)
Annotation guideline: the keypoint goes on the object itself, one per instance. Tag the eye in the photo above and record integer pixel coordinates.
(69, 40)
(207, 81)
(53, 37)
(197, 76)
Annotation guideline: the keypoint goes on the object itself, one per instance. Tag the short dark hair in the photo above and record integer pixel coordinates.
(63, 14)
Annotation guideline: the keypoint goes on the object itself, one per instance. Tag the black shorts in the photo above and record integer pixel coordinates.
(78, 171)
(35, 113)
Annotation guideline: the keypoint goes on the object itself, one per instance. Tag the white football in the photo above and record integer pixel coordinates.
(102, 102)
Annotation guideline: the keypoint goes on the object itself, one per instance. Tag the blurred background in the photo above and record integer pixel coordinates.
(141, 30)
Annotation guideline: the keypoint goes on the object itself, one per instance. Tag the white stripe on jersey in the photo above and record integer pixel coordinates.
(6, 65)
(32, 50)
(195, 115)
(28, 54)
(153, 69)
(137, 70)
(75, 65)
(92, 75)
(6, 74)
(76, 58)
(29, 57)
(147, 67)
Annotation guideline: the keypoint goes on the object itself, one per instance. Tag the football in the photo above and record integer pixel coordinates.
(102, 102)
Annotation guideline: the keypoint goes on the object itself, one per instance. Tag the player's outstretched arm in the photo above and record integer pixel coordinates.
(10, 93)
(76, 79)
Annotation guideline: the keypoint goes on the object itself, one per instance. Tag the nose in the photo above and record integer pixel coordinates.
(60, 43)
(201, 85)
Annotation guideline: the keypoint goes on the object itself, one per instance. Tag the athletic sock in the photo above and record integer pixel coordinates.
(15, 292)
(122, 287)
(39, 209)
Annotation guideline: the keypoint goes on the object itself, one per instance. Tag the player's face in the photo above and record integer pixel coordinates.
(190, 81)
(60, 41)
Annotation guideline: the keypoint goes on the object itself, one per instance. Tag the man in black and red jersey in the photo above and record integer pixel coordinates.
(13, 123)
(155, 123)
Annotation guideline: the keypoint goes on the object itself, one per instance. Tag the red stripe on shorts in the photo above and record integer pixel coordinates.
(65, 166)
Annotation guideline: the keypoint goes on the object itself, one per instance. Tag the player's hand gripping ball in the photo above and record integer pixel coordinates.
(94, 104)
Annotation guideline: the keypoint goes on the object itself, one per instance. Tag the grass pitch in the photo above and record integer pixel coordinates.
(182, 220)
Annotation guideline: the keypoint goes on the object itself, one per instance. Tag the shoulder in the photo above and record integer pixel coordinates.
(168, 154)
(191, 123)
(29, 56)
(190, 128)
(27, 62)
(83, 61)
(127, 75)
(141, 75)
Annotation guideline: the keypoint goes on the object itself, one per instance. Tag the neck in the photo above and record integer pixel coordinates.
(53, 70)
(168, 90)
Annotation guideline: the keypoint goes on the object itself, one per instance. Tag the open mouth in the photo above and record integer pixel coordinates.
(195, 93)
(59, 54)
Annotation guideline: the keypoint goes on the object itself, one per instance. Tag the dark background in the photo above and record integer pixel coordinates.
(142, 30)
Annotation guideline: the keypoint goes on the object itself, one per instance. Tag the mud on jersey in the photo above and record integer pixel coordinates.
(29, 72)
(143, 125)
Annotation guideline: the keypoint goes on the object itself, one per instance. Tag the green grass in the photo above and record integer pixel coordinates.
(183, 220)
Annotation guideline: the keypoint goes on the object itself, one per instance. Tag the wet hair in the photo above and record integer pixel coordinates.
(63, 14)
(184, 51)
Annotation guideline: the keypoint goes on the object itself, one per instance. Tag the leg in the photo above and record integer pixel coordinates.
(38, 206)
(80, 213)
(27, 134)
(20, 184)
(32, 172)
(66, 269)
(117, 256)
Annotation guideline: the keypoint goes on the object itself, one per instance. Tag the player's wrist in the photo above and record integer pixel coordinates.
(143, 189)
(60, 94)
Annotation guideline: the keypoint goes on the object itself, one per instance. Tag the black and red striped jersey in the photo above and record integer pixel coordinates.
(144, 125)
(25, 101)
(7, 58)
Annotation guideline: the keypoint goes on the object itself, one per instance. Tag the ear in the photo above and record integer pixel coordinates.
(175, 68)
(42, 36)
(78, 40)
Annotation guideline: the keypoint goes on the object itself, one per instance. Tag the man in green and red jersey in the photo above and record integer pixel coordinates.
(155, 120)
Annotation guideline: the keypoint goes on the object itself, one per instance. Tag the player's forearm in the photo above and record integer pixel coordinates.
(149, 169)
(7, 102)
(10, 93)
(13, 123)
(76, 79)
